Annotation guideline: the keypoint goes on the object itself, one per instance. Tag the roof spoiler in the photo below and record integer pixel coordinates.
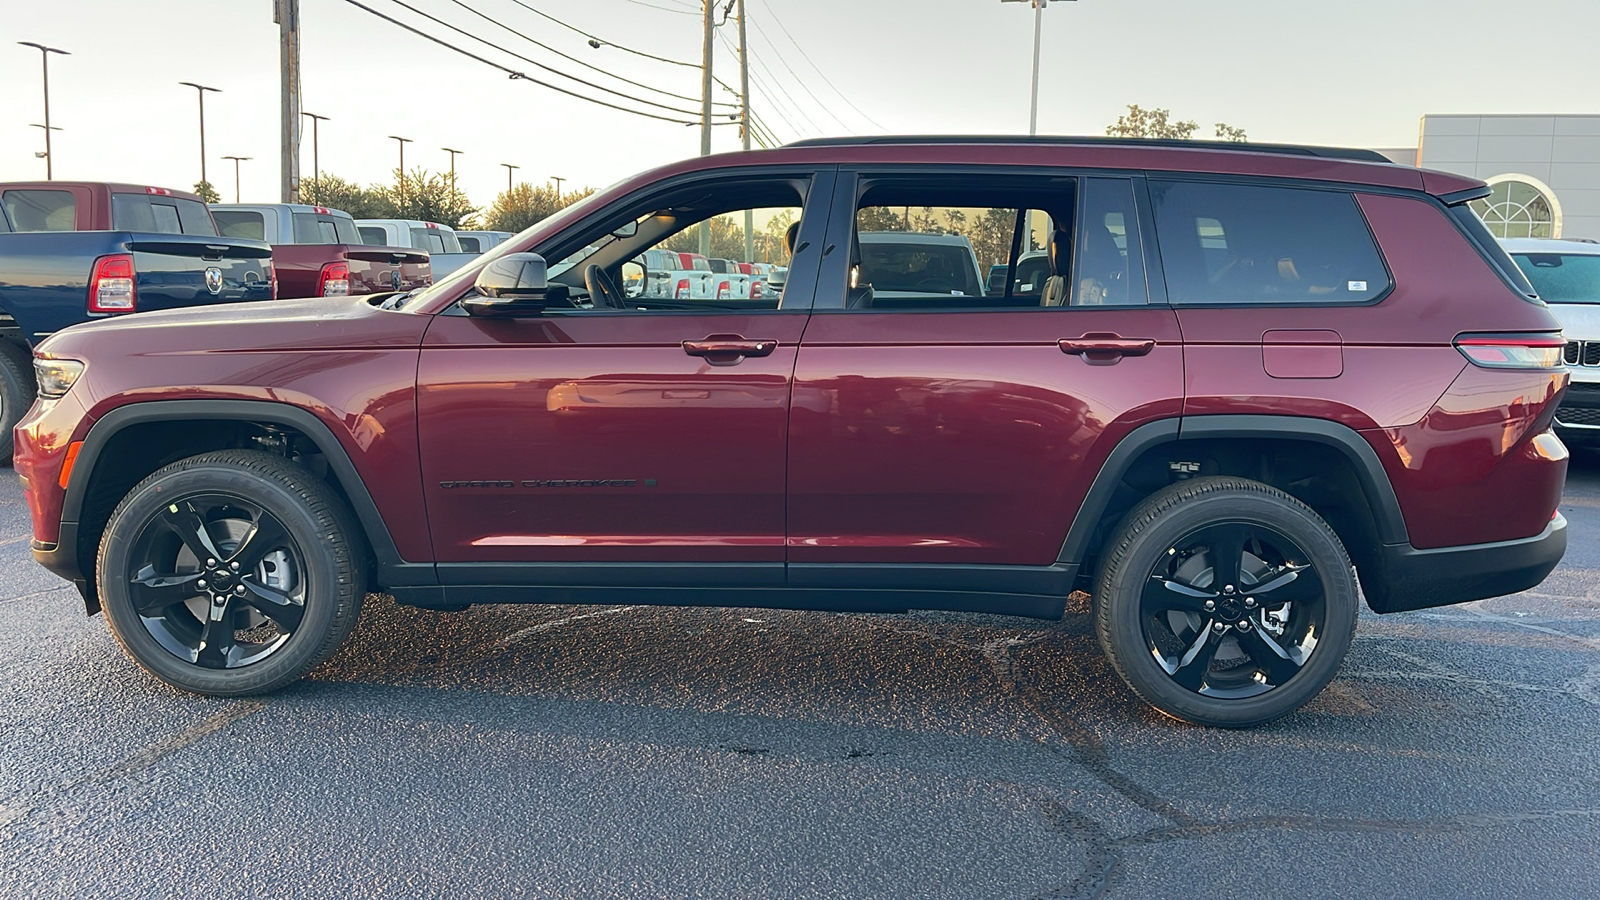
(1466, 195)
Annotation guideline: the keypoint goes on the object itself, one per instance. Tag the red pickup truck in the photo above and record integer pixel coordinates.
(317, 251)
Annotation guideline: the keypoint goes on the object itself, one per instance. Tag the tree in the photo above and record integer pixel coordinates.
(336, 193)
(1139, 122)
(206, 192)
(526, 205)
(430, 198)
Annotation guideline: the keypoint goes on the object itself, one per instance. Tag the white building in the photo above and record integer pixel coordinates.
(1545, 170)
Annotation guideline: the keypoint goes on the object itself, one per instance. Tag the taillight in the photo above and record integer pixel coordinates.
(111, 286)
(335, 280)
(683, 289)
(723, 291)
(757, 290)
(1512, 351)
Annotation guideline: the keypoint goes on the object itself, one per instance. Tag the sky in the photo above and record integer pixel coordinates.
(1352, 72)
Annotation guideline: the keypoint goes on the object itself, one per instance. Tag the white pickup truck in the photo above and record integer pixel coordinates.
(444, 250)
(482, 241)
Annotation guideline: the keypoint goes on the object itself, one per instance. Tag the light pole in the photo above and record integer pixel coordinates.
(403, 142)
(452, 165)
(1038, 21)
(236, 161)
(557, 179)
(509, 168)
(44, 53)
(316, 166)
(201, 89)
(45, 153)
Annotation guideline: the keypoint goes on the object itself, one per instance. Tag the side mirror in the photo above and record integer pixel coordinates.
(634, 277)
(516, 284)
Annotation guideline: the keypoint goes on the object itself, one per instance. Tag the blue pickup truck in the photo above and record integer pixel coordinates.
(75, 251)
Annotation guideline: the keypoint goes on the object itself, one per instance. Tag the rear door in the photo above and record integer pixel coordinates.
(935, 426)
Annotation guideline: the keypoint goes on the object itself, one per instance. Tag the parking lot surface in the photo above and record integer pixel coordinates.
(652, 752)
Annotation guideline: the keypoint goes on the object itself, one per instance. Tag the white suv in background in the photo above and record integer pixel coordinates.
(1567, 276)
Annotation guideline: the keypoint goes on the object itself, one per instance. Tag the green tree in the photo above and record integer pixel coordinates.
(882, 218)
(206, 192)
(336, 193)
(1139, 122)
(991, 236)
(431, 198)
(525, 205)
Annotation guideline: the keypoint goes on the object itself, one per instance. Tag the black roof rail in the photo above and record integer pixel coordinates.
(1098, 141)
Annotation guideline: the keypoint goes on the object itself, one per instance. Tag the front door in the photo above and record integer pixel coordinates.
(940, 421)
(561, 448)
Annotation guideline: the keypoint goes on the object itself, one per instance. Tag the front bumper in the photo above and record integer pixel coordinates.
(1579, 414)
(1408, 578)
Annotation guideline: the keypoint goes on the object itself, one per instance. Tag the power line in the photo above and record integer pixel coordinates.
(792, 108)
(803, 55)
(587, 65)
(798, 80)
(462, 31)
(515, 75)
(681, 12)
(625, 49)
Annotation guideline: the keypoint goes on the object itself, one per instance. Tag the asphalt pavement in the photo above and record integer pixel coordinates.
(649, 752)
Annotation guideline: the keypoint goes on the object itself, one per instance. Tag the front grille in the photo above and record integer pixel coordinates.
(1591, 353)
(1581, 353)
(1568, 415)
(1571, 353)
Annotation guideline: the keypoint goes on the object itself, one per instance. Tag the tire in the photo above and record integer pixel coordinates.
(17, 391)
(1239, 654)
(292, 600)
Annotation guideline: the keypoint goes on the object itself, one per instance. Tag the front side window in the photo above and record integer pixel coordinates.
(40, 210)
(1562, 277)
(1226, 243)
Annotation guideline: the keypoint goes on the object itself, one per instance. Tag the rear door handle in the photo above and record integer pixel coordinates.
(728, 349)
(1106, 346)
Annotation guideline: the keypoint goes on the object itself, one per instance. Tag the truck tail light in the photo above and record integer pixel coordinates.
(111, 287)
(1512, 351)
(335, 281)
(723, 291)
(272, 275)
(683, 289)
(758, 289)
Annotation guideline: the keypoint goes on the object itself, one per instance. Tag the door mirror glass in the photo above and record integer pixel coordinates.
(634, 276)
(513, 285)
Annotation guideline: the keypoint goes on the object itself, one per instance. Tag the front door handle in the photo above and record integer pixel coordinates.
(728, 349)
(1105, 346)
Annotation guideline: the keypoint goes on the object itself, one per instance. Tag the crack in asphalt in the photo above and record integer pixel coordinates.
(542, 627)
(15, 812)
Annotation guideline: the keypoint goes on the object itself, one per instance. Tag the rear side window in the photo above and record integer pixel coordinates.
(161, 215)
(469, 244)
(373, 236)
(313, 228)
(41, 210)
(238, 223)
(428, 239)
(1251, 244)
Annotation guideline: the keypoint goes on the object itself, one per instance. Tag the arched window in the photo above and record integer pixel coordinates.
(1519, 207)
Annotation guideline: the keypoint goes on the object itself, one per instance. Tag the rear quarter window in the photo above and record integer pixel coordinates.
(373, 236)
(1226, 243)
(241, 224)
(469, 244)
(40, 210)
(310, 228)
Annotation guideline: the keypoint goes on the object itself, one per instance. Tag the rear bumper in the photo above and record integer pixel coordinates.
(1419, 579)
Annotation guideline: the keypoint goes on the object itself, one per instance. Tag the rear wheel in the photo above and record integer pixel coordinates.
(230, 573)
(1225, 602)
(16, 391)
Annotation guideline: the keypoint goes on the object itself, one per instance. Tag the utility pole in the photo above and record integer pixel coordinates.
(509, 168)
(202, 91)
(744, 128)
(402, 182)
(236, 161)
(705, 113)
(557, 179)
(452, 165)
(287, 14)
(316, 165)
(44, 54)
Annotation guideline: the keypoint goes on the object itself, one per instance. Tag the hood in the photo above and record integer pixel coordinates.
(1579, 321)
(319, 323)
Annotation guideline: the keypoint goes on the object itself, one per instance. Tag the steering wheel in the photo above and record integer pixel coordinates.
(603, 290)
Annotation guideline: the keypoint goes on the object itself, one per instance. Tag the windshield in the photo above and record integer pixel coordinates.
(1562, 277)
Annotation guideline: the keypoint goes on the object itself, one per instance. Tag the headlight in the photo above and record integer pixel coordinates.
(56, 376)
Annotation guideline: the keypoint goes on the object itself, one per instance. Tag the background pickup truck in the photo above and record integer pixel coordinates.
(482, 241)
(444, 251)
(75, 251)
(317, 252)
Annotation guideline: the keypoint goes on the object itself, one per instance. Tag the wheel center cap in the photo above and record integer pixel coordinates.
(1229, 609)
(222, 579)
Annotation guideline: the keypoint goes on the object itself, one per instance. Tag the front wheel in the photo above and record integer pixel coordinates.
(1225, 602)
(230, 573)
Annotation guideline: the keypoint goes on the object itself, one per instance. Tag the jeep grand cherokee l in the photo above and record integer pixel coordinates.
(1242, 378)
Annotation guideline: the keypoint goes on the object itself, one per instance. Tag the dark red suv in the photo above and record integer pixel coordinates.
(1215, 384)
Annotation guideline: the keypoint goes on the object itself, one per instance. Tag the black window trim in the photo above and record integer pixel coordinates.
(1349, 190)
(823, 193)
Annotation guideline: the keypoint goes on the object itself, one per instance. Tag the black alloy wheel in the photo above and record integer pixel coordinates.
(1223, 601)
(231, 573)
